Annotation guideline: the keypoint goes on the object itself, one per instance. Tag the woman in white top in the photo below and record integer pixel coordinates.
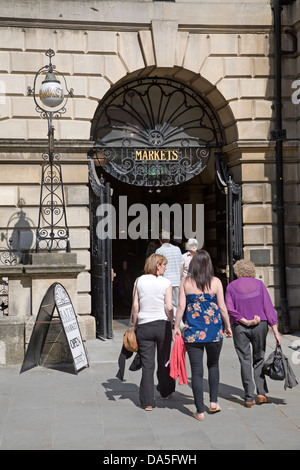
(153, 318)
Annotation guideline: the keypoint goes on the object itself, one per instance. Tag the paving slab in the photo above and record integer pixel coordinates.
(55, 409)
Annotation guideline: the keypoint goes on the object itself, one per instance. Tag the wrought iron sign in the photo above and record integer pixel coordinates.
(154, 132)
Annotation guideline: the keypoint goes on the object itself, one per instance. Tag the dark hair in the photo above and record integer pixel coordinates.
(201, 270)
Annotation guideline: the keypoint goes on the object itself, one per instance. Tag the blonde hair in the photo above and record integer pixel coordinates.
(152, 262)
(244, 268)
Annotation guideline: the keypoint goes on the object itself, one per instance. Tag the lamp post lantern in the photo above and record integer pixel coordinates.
(52, 231)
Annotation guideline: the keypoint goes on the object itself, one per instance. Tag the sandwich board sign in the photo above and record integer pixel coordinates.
(57, 298)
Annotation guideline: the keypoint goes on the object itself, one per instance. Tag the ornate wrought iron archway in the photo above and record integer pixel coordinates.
(154, 132)
(146, 132)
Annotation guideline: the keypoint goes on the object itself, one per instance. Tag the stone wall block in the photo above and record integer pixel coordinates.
(147, 47)
(196, 52)
(256, 172)
(97, 87)
(238, 67)
(88, 64)
(130, 51)
(262, 67)
(37, 127)
(252, 193)
(84, 282)
(101, 42)
(40, 40)
(12, 38)
(253, 88)
(73, 174)
(80, 239)
(25, 107)
(70, 41)
(63, 63)
(83, 257)
(79, 85)
(248, 129)
(12, 129)
(9, 195)
(13, 84)
(4, 62)
(20, 174)
(271, 235)
(164, 41)
(254, 235)
(262, 109)
(114, 69)
(24, 62)
(223, 44)
(77, 195)
(293, 255)
(213, 69)
(252, 44)
(291, 192)
(291, 172)
(73, 129)
(11, 218)
(292, 214)
(181, 47)
(257, 214)
(229, 87)
(84, 109)
(242, 109)
(292, 234)
(11, 341)
(78, 216)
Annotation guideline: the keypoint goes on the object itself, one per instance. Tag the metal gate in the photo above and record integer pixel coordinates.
(229, 218)
(101, 266)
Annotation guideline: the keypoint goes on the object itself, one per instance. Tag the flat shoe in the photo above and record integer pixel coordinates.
(215, 410)
(249, 404)
(197, 417)
(148, 408)
(166, 398)
(262, 399)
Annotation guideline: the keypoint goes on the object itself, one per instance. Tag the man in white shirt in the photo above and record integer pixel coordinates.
(174, 266)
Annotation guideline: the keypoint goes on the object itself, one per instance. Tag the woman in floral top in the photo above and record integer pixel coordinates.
(201, 297)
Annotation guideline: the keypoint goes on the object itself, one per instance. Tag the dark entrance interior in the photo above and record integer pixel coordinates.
(156, 141)
(129, 255)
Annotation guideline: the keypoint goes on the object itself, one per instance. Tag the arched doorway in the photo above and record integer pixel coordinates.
(155, 141)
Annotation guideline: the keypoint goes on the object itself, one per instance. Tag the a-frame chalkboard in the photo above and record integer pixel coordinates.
(56, 297)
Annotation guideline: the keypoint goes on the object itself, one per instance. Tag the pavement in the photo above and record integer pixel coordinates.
(54, 409)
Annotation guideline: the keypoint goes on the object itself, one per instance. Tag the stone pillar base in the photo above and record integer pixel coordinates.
(27, 285)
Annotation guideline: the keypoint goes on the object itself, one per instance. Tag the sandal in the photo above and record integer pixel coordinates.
(216, 409)
(148, 408)
(195, 415)
(262, 399)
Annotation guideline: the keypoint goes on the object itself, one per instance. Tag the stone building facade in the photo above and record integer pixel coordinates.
(224, 50)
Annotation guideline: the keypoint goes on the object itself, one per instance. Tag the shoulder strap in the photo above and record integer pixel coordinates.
(133, 295)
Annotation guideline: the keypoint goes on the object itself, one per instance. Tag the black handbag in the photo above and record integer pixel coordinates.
(274, 366)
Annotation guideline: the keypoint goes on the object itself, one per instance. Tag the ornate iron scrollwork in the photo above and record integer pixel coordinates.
(52, 232)
(154, 132)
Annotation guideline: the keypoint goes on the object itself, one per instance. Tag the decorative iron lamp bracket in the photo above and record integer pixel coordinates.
(52, 230)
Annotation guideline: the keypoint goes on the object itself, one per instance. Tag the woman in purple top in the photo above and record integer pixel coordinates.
(251, 312)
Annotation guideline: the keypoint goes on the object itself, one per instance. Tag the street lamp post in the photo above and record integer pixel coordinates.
(52, 231)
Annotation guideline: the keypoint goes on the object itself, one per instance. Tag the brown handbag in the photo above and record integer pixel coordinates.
(129, 338)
